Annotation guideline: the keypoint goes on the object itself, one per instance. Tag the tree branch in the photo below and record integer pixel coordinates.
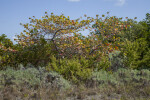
(93, 49)
(60, 30)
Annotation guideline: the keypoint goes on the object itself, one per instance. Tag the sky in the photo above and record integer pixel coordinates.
(14, 12)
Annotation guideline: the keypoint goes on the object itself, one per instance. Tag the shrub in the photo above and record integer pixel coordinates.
(135, 54)
(72, 69)
(103, 63)
(145, 62)
(116, 60)
(121, 77)
(32, 78)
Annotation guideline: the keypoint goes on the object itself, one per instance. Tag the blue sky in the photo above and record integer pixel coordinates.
(14, 12)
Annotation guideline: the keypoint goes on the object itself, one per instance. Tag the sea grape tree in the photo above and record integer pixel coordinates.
(51, 26)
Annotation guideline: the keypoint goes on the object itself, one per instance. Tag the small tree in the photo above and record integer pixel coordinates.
(49, 28)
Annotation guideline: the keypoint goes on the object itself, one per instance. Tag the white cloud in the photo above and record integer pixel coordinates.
(74, 0)
(120, 2)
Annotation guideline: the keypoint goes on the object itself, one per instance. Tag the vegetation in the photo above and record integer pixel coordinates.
(52, 53)
(31, 83)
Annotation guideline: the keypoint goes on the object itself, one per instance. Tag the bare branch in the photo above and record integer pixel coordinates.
(60, 30)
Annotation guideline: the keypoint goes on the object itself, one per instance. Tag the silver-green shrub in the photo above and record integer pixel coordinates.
(32, 77)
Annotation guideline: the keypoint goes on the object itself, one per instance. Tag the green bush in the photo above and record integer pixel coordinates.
(145, 62)
(131, 54)
(72, 69)
(135, 50)
(37, 55)
(135, 54)
(103, 63)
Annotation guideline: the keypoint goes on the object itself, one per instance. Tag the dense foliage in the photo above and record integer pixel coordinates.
(55, 41)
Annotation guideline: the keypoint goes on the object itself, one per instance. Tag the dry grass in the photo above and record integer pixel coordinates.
(109, 92)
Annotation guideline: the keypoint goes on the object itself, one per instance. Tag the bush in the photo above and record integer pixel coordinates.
(121, 77)
(116, 60)
(145, 62)
(103, 63)
(72, 69)
(32, 78)
(135, 54)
